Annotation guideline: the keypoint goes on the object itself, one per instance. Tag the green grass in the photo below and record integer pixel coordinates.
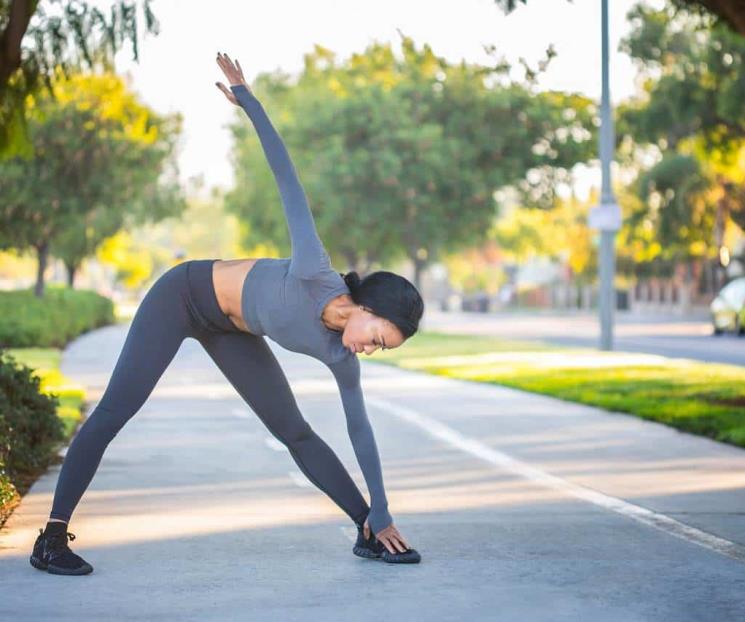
(701, 398)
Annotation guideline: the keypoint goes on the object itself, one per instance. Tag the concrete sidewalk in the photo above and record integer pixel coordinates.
(523, 508)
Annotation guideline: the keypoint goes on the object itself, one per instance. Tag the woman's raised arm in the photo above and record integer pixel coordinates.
(309, 256)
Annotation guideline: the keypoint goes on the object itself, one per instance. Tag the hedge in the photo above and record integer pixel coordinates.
(52, 320)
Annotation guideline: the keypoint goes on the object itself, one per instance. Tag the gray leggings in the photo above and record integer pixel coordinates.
(182, 303)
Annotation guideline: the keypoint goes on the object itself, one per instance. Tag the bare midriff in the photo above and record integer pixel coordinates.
(228, 276)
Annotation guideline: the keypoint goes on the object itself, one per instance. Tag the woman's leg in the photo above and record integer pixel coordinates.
(161, 323)
(251, 367)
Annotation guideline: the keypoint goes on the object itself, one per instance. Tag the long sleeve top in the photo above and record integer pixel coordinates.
(285, 298)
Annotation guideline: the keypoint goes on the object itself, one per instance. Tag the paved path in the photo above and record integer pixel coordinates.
(524, 508)
(664, 335)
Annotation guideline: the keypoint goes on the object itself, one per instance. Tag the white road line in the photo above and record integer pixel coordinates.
(300, 479)
(503, 460)
(274, 444)
(241, 412)
(350, 532)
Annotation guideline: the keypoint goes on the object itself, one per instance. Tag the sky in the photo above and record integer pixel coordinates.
(177, 69)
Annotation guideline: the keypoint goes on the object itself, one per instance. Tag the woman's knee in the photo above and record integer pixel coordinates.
(297, 434)
(104, 423)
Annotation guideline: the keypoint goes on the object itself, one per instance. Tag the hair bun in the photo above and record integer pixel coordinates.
(352, 279)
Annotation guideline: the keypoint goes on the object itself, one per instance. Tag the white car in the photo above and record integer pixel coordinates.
(728, 308)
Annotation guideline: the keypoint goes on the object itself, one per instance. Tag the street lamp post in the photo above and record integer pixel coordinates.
(606, 216)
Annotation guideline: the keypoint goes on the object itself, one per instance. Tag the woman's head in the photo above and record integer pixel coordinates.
(390, 310)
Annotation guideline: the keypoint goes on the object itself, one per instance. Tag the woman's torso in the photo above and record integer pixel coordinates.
(261, 294)
(228, 276)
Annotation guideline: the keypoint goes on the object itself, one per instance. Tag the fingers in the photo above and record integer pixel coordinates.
(229, 63)
(404, 543)
(400, 546)
(397, 535)
(393, 545)
(229, 94)
(224, 89)
(222, 63)
(394, 542)
(387, 543)
(231, 73)
(240, 70)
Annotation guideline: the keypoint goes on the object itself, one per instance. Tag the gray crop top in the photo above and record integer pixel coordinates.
(284, 299)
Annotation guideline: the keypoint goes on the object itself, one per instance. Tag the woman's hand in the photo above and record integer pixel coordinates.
(234, 74)
(390, 537)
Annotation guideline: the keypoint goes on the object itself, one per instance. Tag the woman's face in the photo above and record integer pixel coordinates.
(366, 332)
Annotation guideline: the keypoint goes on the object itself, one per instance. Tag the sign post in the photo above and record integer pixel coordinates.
(607, 215)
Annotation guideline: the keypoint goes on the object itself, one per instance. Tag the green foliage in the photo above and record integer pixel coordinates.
(718, 12)
(65, 35)
(400, 155)
(29, 428)
(691, 117)
(679, 215)
(60, 315)
(7, 490)
(694, 79)
(98, 162)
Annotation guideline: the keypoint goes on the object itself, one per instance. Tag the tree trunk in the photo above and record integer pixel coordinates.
(419, 265)
(351, 261)
(42, 251)
(19, 15)
(729, 10)
(71, 271)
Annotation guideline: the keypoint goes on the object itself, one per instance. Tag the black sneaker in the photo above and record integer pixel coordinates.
(52, 554)
(370, 548)
(409, 556)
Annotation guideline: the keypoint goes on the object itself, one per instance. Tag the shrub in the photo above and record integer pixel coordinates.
(30, 430)
(53, 320)
(7, 490)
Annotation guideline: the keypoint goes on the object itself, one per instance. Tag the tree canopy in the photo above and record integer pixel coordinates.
(40, 37)
(100, 159)
(401, 155)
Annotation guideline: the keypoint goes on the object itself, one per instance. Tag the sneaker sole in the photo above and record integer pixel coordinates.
(410, 557)
(37, 563)
(360, 551)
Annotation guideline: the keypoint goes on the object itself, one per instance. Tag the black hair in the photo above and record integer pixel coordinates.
(388, 295)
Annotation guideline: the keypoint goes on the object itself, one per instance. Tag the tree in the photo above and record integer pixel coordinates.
(98, 159)
(725, 12)
(400, 157)
(38, 37)
(729, 12)
(690, 119)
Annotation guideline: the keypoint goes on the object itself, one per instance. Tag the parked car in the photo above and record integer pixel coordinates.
(728, 308)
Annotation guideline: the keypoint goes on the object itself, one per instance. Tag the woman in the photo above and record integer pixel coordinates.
(228, 306)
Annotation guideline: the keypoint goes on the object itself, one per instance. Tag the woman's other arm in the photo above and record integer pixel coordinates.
(347, 375)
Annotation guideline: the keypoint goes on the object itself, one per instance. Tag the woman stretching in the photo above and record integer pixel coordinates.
(228, 306)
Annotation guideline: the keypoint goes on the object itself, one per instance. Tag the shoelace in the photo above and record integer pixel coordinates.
(57, 543)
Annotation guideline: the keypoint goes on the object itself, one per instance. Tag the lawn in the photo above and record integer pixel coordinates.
(701, 398)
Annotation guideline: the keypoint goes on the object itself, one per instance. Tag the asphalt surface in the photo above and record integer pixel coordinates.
(523, 507)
